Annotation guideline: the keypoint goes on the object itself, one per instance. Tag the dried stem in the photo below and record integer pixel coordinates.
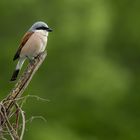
(9, 107)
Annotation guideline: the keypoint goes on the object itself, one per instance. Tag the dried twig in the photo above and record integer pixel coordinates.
(9, 107)
(24, 80)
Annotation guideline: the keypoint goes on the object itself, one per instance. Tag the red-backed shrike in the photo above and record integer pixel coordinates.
(32, 44)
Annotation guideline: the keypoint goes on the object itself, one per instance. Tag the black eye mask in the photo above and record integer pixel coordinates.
(44, 28)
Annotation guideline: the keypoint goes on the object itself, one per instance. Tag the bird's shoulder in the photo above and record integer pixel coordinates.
(25, 39)
(22, 43)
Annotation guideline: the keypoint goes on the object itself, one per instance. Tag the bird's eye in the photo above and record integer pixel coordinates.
(42, 28)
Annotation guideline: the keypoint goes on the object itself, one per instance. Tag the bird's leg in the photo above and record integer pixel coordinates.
(37, 57)
(31, 60)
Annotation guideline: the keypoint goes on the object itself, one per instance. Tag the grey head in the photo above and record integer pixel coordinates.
(40, 26)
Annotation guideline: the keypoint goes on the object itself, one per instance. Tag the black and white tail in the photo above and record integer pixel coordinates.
(15, 74)
(18, 68)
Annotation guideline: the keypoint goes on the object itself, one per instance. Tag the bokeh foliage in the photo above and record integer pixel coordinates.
(92, 73)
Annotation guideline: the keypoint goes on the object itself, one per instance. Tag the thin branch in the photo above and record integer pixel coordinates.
(9, 108)
(9, 132)
(36, 117)
(23, 124)
(9, 127)
(23, 82)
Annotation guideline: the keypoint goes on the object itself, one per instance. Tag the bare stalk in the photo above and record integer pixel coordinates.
(9, 107)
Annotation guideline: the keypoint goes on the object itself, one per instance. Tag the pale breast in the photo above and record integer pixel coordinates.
(35, 45)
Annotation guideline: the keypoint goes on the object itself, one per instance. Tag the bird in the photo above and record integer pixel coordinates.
(32, 44)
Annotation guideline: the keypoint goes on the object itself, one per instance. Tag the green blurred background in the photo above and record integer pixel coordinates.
(92, 72)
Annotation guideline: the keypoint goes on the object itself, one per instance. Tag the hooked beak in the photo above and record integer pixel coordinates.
(49, 29)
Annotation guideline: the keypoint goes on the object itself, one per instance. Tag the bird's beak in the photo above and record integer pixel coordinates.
(49, 29)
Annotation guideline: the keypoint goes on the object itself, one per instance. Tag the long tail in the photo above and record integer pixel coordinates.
(18, 68)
